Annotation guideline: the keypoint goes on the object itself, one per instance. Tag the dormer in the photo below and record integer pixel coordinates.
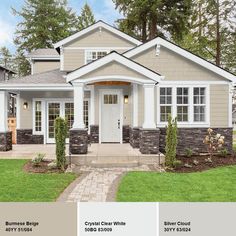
(92, 43)
(44, 59)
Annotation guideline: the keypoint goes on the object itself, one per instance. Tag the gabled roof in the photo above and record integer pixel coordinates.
(95, 26)
(44, 53)
(183, 52)
(120, 59)
(8, 70)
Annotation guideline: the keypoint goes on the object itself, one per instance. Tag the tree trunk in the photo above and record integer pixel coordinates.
(218, 38)
(153, 28)
(144, 30)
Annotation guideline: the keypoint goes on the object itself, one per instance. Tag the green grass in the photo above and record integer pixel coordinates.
(19, 186)
(234, 132)
(215, 185)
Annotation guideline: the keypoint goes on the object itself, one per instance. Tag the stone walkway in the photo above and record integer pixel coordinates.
(94, 187)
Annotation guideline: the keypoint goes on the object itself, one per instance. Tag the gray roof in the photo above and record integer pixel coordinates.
(49, 77)
(5, 69)
(44, 52)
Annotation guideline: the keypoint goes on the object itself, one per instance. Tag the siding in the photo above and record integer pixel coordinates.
(219, 107)
(73, 59)
(174, 67)
(43, 66)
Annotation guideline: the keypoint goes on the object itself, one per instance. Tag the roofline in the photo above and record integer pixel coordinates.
(7, 70)
(183, 52)
(114, 56)
(44, 58)
(99, 23)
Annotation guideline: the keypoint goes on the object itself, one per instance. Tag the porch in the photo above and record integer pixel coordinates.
(99, 155)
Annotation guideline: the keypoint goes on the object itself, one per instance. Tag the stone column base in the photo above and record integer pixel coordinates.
(94, 134)
(134, 136)
(5, 141)
(78, 141)
(149, 141)
(126, 134)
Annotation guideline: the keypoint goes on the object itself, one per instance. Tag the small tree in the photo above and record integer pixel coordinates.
(171, 142)
(60, 136)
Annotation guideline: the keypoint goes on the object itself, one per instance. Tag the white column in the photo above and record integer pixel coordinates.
(78, 106)
(149, 107)
(92, 105)
(4, 111)
(135, 105)
(18, 104)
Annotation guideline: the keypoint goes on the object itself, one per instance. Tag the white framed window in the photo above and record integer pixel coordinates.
(165, 103)
(93, 55)
(38, 116)
(182, 100)
(86, 113)
(199, 104)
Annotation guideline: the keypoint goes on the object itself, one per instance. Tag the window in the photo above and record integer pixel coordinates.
(94, 55)
(38, 116)
(199, 102)
(110, 99)
(86, 113)
(69, 115)
(165, 103)
(182, 104)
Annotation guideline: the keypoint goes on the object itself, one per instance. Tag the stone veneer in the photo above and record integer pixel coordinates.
(134, 136)
(78, 141)
(26, 136)
(149, 141)
(125, 133)
(5, 141)
(193, 138)
(94, 134)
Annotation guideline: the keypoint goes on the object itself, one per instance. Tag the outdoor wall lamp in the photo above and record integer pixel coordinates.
(25, 105)
(126, 99)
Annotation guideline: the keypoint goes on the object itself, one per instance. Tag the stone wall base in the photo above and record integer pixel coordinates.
(5, 141)
(94, 134)
(26, 136)
(149, 141)
(78, 141)
(134, 135)
(125, 133)
(193, 138)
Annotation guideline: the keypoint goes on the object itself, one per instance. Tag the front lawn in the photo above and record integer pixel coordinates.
(19, 186)
(215, 185)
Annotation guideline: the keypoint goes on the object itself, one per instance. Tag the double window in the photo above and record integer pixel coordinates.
(188, 104)
(93, 55)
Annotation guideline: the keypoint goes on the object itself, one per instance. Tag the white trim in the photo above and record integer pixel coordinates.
(230, 114)
(61, 58)
(190, 122)
(56, 58)
(92, 105)
(18, 106)
(120, 94)
(96, 48)
(135, 105)
(182, 52)
(4, 111)
(119, 59)
(187, 82)
(93, 27)
(93, 50)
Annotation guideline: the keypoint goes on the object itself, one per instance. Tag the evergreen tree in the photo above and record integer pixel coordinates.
(44, 22)
(86, 17)
(5, 58)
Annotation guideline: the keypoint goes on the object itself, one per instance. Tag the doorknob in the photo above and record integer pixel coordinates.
(118, 124)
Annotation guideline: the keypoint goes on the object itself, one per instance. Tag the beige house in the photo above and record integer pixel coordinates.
(114, 89)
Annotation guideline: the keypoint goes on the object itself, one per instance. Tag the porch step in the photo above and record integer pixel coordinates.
(108, 164)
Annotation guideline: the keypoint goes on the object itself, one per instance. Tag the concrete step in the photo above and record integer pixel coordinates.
(108, 164)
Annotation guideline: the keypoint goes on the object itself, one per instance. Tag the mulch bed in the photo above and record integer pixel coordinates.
(41, 168)
(202, 165)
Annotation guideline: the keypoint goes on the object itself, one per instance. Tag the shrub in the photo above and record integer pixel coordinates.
(213, 141)
(52, 165)
(223, 152)
(177, 163)
(60, 136)
(188, 152)
(171, 142)
(38, 159)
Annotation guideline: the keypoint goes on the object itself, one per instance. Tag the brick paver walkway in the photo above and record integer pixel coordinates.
(95, 186)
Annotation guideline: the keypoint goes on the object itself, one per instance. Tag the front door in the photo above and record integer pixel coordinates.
(110, 114)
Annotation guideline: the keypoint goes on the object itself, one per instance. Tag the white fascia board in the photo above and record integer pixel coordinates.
(57, 58)
(182, 52)
(92, 27)
(118, 58)
(35, 87)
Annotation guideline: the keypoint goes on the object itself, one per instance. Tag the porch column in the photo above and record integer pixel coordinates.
(78, 134)
(134, 130)
(78, 106)
(149, 134)
(18, 111)
(5, 135)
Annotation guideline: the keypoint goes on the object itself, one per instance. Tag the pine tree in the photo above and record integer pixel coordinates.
(86, 17)
(5, 57)
(44, 22)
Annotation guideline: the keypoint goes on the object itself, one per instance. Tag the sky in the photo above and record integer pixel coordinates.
(102, 9)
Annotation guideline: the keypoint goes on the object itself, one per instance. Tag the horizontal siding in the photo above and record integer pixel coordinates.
(219, 107)
(43, 66)
(174, 67)
(73, 59)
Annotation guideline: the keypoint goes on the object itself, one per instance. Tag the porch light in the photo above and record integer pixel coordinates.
(25, 105)
(126, 99)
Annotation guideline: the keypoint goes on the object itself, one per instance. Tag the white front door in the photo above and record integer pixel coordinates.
(111, 116)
